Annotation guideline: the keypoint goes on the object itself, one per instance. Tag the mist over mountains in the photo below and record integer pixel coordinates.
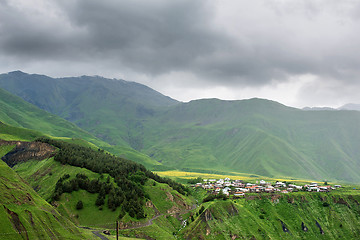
(255, 136)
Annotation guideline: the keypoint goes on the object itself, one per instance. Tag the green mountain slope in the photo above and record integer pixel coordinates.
(18, 113)
(101, 171)
(25, 215)
(292, 216)
(22, 116)
(257, 136)
(252, 136)
(104, 107)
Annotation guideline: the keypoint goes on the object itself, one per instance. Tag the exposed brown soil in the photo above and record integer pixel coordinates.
(31, 220)
(341, 201)
(354, 200)
(232, 210)
(19, 227)
(206, 216)
(24, 151)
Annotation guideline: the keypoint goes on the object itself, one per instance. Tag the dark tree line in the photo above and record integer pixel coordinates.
(131, 200)
(80, 182)
(129, 177)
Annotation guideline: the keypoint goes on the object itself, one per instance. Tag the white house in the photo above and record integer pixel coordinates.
(280, 184)
(239, 194)
(227, 189)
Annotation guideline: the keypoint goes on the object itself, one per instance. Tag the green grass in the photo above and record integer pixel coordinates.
(11, 133)
(261, 218)
(43, 175)
(161, 195)
(20, 120)
(35, 218)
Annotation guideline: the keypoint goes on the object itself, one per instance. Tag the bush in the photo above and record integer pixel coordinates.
(100, 200)
(325, 204)
(79, 205)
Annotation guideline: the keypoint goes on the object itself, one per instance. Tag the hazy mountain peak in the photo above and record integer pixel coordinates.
(318, 109)
(350, 106)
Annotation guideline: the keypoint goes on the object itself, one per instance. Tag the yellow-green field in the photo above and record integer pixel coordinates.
(233, 175)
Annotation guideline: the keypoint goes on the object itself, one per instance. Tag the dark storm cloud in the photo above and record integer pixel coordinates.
(33, 35)
(219, 42)
(150, 36)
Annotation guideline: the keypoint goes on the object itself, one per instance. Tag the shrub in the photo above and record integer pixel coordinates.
(79, 205)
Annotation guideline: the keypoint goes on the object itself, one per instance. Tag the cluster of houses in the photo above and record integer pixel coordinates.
(238, 188)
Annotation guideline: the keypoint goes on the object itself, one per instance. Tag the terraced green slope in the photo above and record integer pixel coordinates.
(293, 216)
(25, 215)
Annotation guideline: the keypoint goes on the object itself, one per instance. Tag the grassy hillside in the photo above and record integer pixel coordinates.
(156, 198)
(250, 136)
(43, 175)
(104, 107)
(18, 113)
(257, 136)
(20, 116)
(279, 217)
(25, 215)
(9, 133)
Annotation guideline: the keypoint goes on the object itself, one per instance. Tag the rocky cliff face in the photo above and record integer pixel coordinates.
(24, 151)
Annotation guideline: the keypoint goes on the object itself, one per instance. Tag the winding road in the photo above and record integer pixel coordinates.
(145, 224)
(98, 234)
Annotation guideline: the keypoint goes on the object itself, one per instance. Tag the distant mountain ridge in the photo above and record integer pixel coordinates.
(21, 114)
(252, 136)
(319, 109)
(350, 106)
(88, 101)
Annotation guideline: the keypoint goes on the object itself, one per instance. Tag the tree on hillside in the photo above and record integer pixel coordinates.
(79, 205)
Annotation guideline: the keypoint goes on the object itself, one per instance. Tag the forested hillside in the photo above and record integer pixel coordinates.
(88, 186)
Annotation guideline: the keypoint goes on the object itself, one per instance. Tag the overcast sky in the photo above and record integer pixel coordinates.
(300, 53)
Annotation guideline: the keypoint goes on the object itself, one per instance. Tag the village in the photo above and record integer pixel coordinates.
(238, 188)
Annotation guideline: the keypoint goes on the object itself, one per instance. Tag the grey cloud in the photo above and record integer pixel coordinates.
(149, 36)
(30, 35)
(264, 41)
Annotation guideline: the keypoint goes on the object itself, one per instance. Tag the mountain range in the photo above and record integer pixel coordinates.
(254, 136)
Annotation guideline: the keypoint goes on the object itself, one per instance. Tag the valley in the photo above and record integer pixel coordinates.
(255, 136)
(80, 154)
(255, 216)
